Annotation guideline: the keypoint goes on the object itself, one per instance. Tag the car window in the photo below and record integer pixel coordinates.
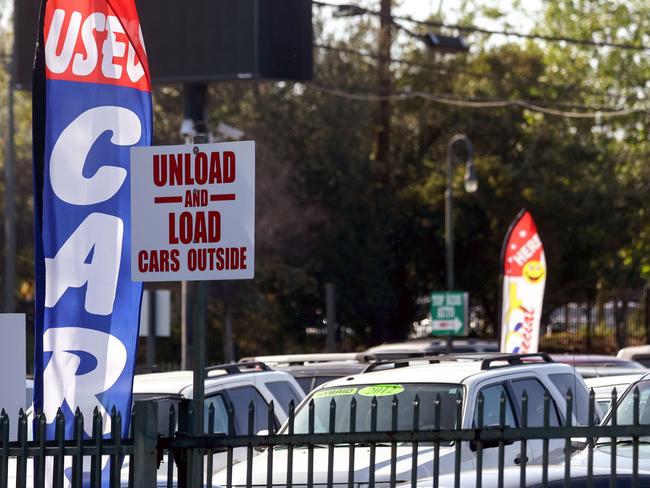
(305, 384)
(535, 391)
(220, 414)
(164, 404)
(625, 409)
(604, 404)
(319, 380)
(644, 359)
(566, 381)
(491, 406)
(284, 392)
(241, 399)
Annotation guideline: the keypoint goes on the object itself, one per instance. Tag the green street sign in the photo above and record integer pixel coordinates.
(449, 313)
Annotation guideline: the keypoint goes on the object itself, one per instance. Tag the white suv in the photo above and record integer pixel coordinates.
(238, 384)
(451, 378)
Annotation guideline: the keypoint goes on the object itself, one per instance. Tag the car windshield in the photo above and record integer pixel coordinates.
(625, 409)
(405, 393)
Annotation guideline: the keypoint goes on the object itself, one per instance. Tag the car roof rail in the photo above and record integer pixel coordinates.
(146, 369)
(515, 359)
(370, 357)
(486, 360)
(237, 368)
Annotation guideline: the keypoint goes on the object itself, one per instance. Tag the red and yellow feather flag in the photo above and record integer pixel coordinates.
(524, 278)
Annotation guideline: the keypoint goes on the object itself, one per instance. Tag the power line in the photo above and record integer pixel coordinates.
(546, 107)
(482, 30)
(474, 74)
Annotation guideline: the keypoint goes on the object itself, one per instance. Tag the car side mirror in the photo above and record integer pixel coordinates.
(489, 443)
(262, 432)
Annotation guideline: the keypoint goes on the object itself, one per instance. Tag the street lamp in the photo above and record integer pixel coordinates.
(471, 185)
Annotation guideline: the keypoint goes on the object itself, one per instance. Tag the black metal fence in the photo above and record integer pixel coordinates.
(306, 452)
(605, 324)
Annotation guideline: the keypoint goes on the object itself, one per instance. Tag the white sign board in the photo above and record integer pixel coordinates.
(193, 212)
(162, 314)
(12, 364)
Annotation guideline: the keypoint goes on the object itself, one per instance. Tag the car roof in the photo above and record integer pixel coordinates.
(454, 372)
(428, 345)
(334, 368)
(630, 351)
(180, 382)
(620, 379)
(588, 372)
(621, 382)
(594, 359)
(291, 359)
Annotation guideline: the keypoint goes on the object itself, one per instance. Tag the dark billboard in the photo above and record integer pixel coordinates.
(205, 40)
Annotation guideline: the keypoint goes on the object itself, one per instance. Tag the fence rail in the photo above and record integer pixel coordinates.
(318, 454)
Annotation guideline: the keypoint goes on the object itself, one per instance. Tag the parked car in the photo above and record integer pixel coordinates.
(596, 365)
(237, 384)
(312, 370)
(427, 347)
(603, 448)
(454, 379)
(640, 354)
(604, 385)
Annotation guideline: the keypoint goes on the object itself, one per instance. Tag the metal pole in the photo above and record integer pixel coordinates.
(449, 216)
(198, 324)
(10, 210)
(199, 299)
(186, 333)
(228, 344)
(194, 130)
(330, 297)
(449, 236)
(151, 333)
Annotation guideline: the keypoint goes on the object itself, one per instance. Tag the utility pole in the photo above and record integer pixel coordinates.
(382, 148)
(10, 209)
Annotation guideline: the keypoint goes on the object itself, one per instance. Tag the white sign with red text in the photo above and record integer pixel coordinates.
(193, 212)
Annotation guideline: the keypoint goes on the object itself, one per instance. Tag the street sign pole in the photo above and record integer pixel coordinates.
(151, 333)
(199, 298)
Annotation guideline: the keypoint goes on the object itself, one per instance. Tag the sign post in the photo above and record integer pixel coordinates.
(449, 313)
(193, 219)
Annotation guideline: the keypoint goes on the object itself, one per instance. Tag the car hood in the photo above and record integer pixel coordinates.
(404, 457)
(511, 477)
(602, 456)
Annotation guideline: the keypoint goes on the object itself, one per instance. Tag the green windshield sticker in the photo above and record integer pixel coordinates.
(381, 390)
(335, 392)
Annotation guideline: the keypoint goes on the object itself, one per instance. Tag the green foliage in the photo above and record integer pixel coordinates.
(328, 211)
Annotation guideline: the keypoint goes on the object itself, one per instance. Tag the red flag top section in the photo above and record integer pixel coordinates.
(523, 245)
(97, 41)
